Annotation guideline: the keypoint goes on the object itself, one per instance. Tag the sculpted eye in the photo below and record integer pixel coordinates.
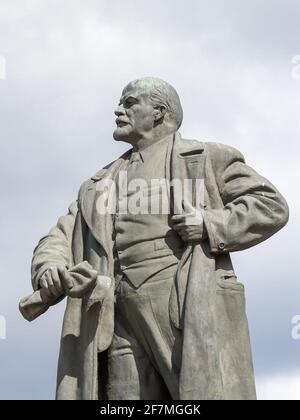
(129, 103)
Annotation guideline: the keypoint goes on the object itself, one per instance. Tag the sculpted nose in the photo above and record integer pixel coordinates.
(119, 111)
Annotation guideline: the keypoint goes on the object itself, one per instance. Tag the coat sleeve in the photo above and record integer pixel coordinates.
(54, 248)
(253, 209)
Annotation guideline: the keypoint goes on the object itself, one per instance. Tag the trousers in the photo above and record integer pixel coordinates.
(144, 358)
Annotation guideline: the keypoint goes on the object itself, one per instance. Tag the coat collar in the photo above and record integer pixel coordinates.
(187, 162)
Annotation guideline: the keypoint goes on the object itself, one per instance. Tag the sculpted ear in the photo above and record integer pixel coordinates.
(159, 113)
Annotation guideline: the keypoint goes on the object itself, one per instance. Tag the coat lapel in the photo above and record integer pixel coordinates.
(101, 225)
(187, 163)
(192, 297)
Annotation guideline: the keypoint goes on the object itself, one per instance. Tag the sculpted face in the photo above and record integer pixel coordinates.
(135, 115)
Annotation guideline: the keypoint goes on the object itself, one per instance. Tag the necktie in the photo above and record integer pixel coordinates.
(134, 158)
(134, 163)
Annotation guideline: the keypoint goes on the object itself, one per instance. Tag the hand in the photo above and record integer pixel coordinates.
(76, 282)
(53, 281)
(190, 226)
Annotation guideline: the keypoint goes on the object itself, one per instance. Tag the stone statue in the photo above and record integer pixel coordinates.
(154, 308)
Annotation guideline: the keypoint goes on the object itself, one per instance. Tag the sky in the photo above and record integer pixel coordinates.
(63, 66)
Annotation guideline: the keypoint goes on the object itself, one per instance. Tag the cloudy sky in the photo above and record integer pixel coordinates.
(234, 65)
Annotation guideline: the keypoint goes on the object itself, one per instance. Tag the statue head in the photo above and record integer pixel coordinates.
(149, 108)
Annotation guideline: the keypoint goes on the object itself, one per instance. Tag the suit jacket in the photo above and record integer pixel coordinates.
(240, 209)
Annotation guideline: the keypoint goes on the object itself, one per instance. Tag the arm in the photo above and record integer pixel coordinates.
(253, 209)
(54, 249)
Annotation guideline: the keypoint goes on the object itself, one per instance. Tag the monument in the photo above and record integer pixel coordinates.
(154, 308)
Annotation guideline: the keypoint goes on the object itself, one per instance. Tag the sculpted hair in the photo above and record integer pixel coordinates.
(163, 94)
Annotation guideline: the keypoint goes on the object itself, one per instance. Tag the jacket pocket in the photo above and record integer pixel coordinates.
(233, 340)
(227, 283)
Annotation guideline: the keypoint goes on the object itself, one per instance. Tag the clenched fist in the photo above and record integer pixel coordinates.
(57, 281)
(190, 226)
(51, 281)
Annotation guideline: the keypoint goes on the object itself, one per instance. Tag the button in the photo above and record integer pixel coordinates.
(221, 245)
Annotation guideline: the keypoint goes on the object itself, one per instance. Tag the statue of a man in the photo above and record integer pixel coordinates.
(169, 320)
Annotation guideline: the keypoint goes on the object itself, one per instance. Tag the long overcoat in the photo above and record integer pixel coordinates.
(240, 209)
